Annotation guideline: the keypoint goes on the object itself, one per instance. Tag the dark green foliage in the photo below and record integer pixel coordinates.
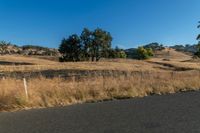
(25, 47)
(141, 53)
(120, 53)
(144, 52)
(197, 54)
(198, 37)
(101, 42)
(132, 53)
(117, 53)
(111, 53)
(198, 46)
(86, 42)
(91, 45)
(71, 49)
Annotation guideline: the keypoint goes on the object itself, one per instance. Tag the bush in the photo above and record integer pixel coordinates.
(117, 53)
(121, 54)
(144, 53)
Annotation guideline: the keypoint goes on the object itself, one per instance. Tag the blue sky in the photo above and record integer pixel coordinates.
(131, 22)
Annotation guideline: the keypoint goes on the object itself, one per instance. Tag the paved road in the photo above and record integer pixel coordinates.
(177, 113)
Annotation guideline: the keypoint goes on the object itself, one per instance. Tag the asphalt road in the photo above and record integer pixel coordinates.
(176, 113)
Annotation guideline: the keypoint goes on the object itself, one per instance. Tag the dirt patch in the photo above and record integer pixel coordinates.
(167, 66)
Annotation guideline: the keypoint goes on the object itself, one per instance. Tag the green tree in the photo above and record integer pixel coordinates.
(112, 53)
(144, 53)
(96, 43)
(149, 52)
(91, 45)
(86, 41)
(101, 42)
(119, 53)
(71, 49)
(122, 54)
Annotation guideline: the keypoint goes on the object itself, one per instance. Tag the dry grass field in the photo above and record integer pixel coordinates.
(168, 72)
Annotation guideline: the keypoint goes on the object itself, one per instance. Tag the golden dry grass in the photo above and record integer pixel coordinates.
(26, 59)
(121, 65)
(59, 92)
(154, 76)
(177, 60)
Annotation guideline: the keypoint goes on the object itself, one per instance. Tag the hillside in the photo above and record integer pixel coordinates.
(171, 54)
(9, 49)
(185, 48)
(51, 83)
(164, 60)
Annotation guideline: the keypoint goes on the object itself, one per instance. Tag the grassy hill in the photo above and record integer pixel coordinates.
(51, 83)
(37, 63)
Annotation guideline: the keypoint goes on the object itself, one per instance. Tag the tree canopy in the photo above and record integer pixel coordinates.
(71, 48)
(90, 45)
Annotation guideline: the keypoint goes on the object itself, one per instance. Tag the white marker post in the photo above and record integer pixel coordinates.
(25, 88)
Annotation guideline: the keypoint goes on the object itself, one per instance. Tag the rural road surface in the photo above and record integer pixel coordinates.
(176, 113)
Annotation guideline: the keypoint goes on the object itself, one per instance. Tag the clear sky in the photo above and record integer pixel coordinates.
(131, 22)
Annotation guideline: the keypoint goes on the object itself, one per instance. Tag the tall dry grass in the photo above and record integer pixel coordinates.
(59, 92)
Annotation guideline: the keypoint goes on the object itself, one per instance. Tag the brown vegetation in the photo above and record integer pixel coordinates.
(142, 78)
(59, 92)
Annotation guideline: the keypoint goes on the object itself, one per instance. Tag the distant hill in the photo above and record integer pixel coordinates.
(156, 47)
(185, 48)
(132, 52)
(8, 49)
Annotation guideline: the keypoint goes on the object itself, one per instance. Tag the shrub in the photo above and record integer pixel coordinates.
(144, 53)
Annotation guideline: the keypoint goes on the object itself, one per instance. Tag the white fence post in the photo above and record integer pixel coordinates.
(25, 88)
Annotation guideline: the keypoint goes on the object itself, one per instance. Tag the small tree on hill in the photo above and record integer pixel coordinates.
(144, 53)
(120, 53)
(116, 53)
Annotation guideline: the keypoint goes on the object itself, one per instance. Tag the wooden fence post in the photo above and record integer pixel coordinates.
(26, 89)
